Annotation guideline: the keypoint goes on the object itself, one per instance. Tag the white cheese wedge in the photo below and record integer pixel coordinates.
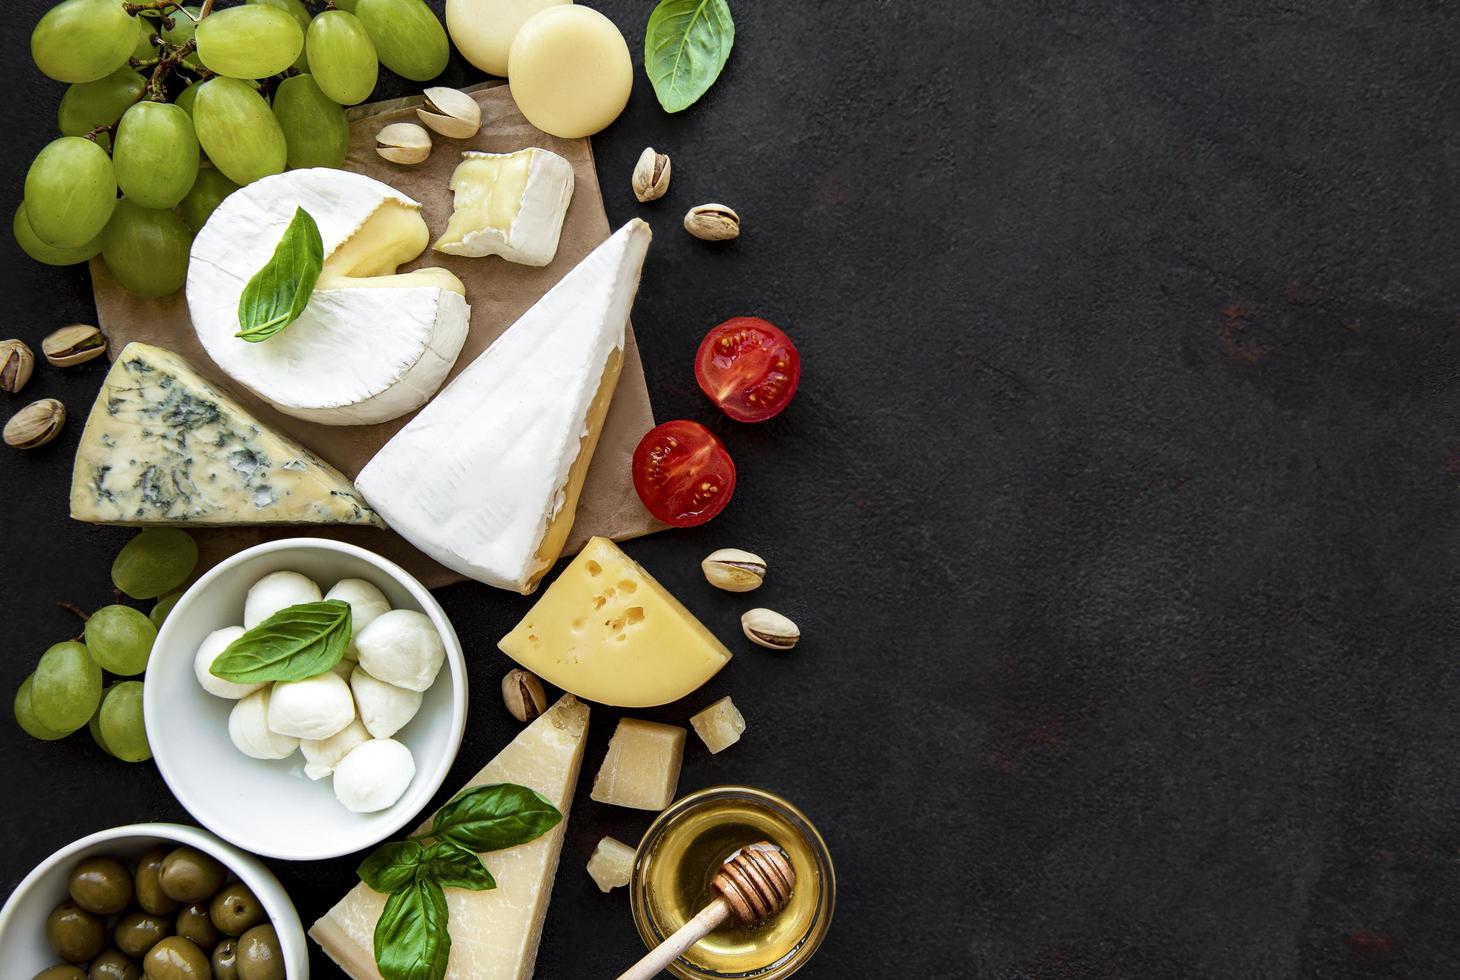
(371, 345)
(509, 204)
(494, 934)
(486, 478)
(164, 446)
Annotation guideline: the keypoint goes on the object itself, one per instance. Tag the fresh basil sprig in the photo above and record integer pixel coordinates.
(412, 937)
(294, 643)
(279, 292)
(685, 46)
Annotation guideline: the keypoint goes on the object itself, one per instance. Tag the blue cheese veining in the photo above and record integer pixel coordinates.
(165, 446)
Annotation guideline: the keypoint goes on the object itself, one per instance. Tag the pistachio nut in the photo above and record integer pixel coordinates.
(712, 222)
(36, 424)
(403, 143)
(523, 695)
(651, 175)
(451, 113)
(76, 344)
(769, 628)
(16, 364)
(734, 570)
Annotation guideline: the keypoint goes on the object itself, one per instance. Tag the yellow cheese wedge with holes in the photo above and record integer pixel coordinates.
(607, 632)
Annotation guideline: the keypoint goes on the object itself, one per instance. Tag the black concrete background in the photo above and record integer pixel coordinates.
(1118, 506)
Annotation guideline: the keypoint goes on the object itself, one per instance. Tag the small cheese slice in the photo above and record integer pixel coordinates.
(163, 445)
(612, 864)
(486, 478)
(607, 632)
(494, 934)
(509, 204)
(719, 726)
(372, 344)
(641, 770)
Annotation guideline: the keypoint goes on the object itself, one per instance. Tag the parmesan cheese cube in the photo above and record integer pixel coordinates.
(641, 769)
(719, 726)
(611, 865)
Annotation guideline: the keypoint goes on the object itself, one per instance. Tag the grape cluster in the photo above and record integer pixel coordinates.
(175, 106)
(68, 688)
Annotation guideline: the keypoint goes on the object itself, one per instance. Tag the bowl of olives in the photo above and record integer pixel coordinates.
(157, 901)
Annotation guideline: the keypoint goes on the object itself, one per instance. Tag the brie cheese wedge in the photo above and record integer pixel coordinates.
(486, 478)
(509, 204)
(371, 345)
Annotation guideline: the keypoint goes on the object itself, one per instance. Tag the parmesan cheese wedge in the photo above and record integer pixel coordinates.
(494, 934)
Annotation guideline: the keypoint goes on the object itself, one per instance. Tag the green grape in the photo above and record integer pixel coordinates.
(314, 127)
(155, 562)
(49, 254)
(184, 25)
(70, 192)
(208, 192)
(91, 105)
(25, 715)
(145, 50)
(300, 13)
(237, 130)
(94, 725)
(67, 687)
(122, 728)
(82, 40)
(342, 57)
(249, 42)
(146, 250)
(348, 6)
(408, 37)
(156, 157)
(120, 639)
(186, 97)
(159, 612)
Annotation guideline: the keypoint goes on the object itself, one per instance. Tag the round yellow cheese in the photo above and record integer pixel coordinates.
(483, 29)
(570, 71)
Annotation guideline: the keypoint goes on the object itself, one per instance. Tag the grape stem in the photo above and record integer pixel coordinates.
(71, 607)
(174, 57)
(112, 132)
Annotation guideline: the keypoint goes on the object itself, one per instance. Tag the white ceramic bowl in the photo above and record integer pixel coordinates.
(271, 807)
(23, 919)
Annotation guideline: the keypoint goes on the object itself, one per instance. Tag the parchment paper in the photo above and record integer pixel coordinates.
(498, 291)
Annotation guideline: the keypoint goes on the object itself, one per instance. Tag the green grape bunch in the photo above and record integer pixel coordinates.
(169, 107)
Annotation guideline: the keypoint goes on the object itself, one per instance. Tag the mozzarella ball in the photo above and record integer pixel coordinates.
(275, 592)
(321, 755)
(402, 648)
(384, 708)
(213, 644)
(316, 707)
(374, 775)
(248, 727)
(367, 603)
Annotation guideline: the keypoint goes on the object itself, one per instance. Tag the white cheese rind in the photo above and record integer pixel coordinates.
(477, 477)
(356, 355)
(164, 446)
(532, 238)
(495, 933)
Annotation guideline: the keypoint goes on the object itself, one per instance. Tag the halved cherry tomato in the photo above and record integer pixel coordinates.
(749, 367)
(683, 473)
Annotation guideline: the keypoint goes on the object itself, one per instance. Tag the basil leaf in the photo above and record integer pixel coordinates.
(685, 45)
(294, 643)
(412, 941)
(489, 818)
(280, 291)
(392, 866)
(453, 866)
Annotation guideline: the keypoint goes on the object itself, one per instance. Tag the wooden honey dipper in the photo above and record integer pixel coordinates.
(754, 884)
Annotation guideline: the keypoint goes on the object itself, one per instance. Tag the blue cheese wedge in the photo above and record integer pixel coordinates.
(164, 446)
(509, 204)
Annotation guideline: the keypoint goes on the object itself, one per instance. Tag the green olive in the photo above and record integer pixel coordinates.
(189, 875)
(195, 925)
(259, 956)
(149, 885)
(64, 972)
(74, 933)
(235, 910)
(112, 965)
(137, 932)
(225, 960)
(176, 959)
(102, 885)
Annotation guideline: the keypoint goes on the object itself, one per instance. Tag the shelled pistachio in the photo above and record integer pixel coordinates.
(403, 143)
(651, 175)
(16, 364)
(770, 629)
(75, 344)
(712, 222)
(734, 570)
